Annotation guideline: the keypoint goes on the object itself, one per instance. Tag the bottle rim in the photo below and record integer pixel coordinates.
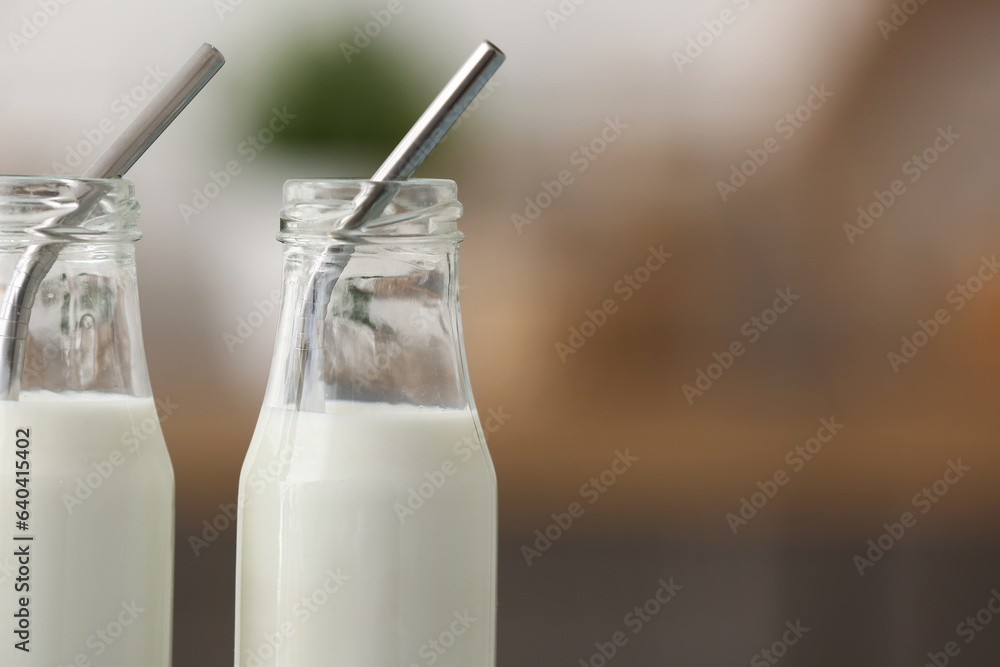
(422, 210)
(49, 208)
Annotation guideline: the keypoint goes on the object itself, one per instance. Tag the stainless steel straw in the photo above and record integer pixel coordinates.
(375, 196)
(39, 258)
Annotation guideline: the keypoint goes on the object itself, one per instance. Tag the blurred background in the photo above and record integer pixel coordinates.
(839, 156)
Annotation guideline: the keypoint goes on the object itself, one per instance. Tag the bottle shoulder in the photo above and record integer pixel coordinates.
(374, 440)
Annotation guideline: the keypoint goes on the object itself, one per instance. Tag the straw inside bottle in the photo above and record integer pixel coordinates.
(375, 196)
(38, 259)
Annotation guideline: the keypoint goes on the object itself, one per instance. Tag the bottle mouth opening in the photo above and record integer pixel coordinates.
(68, 209)
(419, 210)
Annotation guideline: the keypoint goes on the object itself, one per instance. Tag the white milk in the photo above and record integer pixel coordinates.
(101, 511)
(367, 538)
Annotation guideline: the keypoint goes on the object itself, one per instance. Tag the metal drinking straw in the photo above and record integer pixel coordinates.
(39, 258)
(373, 199)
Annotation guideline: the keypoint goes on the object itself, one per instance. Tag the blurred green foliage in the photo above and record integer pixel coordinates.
(364, 106)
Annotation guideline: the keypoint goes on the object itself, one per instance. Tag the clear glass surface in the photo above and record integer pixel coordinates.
(86, 483)
(368, 517)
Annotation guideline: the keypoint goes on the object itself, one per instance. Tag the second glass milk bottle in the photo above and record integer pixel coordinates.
(368, 515)
(87, 489)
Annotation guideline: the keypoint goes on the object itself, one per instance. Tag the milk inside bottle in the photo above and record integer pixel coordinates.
(86, 485)
(367, 521)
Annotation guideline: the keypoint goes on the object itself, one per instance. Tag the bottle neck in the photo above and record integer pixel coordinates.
(370, 323)
(84, 332)
(69, 310)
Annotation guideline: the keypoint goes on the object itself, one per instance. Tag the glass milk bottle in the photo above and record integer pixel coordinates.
(368, 512)
(86, 485)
